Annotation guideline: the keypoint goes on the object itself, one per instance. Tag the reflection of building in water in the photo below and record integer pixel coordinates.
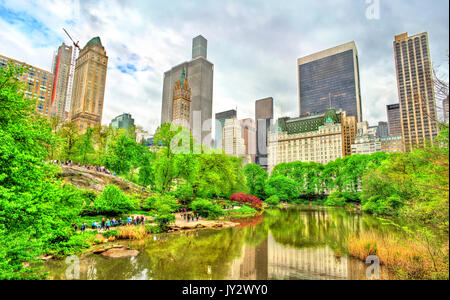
(251, 264)
(306, 263)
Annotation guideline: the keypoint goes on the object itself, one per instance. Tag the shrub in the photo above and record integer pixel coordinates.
(153, 229)
(132, 232)
(335, 199)
(249, 200)
(273, 200)
(285, 188)
(110, 233)
(112, 202)
(206, 208)
(155, 201)
(244, 212)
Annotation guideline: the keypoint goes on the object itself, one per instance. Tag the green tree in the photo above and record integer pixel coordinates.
(285, 188)
(256, 178)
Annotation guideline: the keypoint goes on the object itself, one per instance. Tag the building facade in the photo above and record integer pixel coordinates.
(248, 128)
(233, 143)
(391, 144)
(61, 69)
(382, 129)
(220, 122)
(263, 119)
(181, 110)
(394, 122)
(328, 79)
(445, 107)
(199, 73)
(86, 107)
(318, 138)
(415, 84)
(39, 85)
(366, 140)
(124, 121)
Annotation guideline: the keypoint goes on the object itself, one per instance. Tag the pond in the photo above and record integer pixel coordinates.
(294, 243)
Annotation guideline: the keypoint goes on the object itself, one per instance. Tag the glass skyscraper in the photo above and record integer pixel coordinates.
(330, 79)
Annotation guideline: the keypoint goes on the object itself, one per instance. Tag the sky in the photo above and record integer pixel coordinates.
(253, 44)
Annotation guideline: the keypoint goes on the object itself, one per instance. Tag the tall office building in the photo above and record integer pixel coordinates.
(445, 107)
(394, 123)
(88, 92)
(329, 79)
(382, 129)
(220, 123)
(61, 71)
(39, 84)
(233, 142)
(415, 89)
(199, 73)
(124, 121)
(263, 118)
(249, 135)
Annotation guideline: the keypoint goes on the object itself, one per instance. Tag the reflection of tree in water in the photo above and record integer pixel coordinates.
(317, 227)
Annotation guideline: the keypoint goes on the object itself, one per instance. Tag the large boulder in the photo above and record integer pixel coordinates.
(120, 253)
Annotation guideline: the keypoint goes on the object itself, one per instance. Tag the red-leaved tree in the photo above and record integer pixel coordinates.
(249, 200)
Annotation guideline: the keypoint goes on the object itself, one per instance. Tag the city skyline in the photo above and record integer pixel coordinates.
(33, 31)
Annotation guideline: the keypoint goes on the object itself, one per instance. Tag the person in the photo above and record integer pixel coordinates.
(197, 216)
(83, 227)
(103, 223)
(142, 220)
(94, 225)
(120, 222)
(184, 215)
(192, 216)
(75, 226)
(128, 221)
(135, 220)
(108, 224)
(188, 217)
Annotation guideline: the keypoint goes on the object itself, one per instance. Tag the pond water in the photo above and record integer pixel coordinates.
(293, 243)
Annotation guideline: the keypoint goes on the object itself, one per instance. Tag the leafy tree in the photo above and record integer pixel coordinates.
(283, 187)
(112, 202)
(206, 208)
(272, 200)
(86, 147)
(70, 133)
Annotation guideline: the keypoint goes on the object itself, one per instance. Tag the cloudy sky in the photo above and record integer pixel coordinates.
(254, 45)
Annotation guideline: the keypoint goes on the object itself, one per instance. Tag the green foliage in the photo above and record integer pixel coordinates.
(155, 201)
(207, 209)
(272, 200)
(335, 199)
(256, 179)
(283, 187)
(112, 202)
(243, 212)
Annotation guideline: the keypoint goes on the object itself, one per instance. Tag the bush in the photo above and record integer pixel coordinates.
(153, 229)
(335, 199)
(381, 205)
(249, 200)
(110, 233)
(272, 201)
(112, 202)
(206, 208)
(285, 188)
(155, 201)
(244, 212)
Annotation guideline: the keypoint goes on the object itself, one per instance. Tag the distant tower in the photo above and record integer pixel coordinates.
(89, 85)
(199, 47)
(415, 84)
(61, 71)
(182, 102)
(263, 118)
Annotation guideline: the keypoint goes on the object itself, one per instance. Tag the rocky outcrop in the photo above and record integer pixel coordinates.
(203, 225)
(116, 251)
(96, 181)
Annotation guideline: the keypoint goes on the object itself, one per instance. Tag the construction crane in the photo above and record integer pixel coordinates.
(75, 44)
(71, 71)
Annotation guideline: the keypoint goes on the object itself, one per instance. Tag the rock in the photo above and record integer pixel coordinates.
(100, 251)
(120, 253)
(47, 258)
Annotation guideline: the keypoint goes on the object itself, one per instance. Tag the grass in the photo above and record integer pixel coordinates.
(132, 232)
(408, 258)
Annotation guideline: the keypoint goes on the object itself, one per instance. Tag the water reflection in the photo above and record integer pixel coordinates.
(294, 243)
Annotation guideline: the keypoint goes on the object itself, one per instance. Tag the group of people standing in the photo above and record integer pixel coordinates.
(189, 215)
(106, 224)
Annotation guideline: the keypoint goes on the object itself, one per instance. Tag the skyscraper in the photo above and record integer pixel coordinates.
(394, 123)
(220, 123)
(382, 130)
(199, 72)
(415, 89)
(39, 84)
(263, 118)
(329, 79)
(249, 135)
(61, 71)
(124, 121)
(89, 85)
(445, 107)
(233, 142)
